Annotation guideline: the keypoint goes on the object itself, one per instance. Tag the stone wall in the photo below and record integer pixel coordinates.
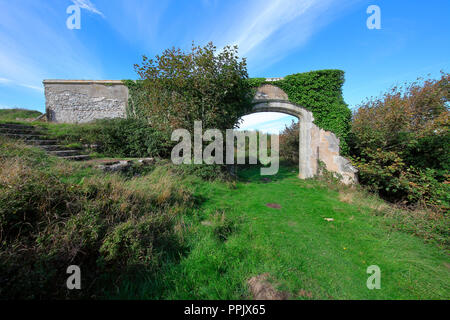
(79, 101)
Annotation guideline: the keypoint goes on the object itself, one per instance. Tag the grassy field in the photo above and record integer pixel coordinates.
(219, 233)
(305, 255)
(18, 114)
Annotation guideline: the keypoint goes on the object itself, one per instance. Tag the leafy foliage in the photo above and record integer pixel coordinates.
(181, 87)
(131, 138)
(401, 140)
(289, 143)
(114, 137)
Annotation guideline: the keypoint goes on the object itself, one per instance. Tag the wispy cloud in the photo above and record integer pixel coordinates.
(88, 5)
(9, 82)
(27, 56)
(268, 30)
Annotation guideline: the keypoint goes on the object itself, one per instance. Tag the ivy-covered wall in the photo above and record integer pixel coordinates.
(136, 97)
(321, 93)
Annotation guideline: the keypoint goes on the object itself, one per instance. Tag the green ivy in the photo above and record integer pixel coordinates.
(136, 98)
(321, 93)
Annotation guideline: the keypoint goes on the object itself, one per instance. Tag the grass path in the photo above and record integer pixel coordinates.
(305, 255)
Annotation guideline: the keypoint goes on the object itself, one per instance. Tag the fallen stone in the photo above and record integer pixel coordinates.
(115, 166)
(147, 161)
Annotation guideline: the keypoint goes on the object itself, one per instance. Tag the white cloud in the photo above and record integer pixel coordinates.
(9, 82)
(88, 5)
(268, 30)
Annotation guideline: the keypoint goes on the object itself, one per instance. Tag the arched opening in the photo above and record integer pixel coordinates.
(278, 123)
(306, 167)
(316, 146)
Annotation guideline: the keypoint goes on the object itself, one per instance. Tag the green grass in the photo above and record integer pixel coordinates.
(299, 249)
(15, 114)
(305, 255)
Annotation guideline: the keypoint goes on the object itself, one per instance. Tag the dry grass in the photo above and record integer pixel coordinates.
(429, 223)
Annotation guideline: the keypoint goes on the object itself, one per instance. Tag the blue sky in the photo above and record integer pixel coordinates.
(278, 37)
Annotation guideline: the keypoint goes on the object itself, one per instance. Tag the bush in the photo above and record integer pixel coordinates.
(400, 143)
(115, 137)
(131, 138)
(48, 223)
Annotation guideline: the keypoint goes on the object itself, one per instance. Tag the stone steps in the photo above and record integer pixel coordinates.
(52, 147)
(42, 142)
(16, 126)
(30, 135)
(24, 136)
(20, 131)
(65, 153)
(81, 157)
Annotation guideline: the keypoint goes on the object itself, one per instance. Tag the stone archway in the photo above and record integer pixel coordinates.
(315, 143)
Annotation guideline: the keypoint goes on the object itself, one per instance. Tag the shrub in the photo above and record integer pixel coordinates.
(115, 137)
(131, 138)
(400, 142)
(100, 224)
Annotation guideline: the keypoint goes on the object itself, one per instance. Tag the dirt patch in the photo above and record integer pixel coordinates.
(305, 294)
(261, 289)
(273, 205)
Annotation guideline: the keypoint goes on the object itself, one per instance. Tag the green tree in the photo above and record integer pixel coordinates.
(203, 84)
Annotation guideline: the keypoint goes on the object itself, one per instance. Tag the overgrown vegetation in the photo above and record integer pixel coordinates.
(51, 218)
(289, 143)
(113, 137)
(400, 143)
(168, 234)
(196, 232)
